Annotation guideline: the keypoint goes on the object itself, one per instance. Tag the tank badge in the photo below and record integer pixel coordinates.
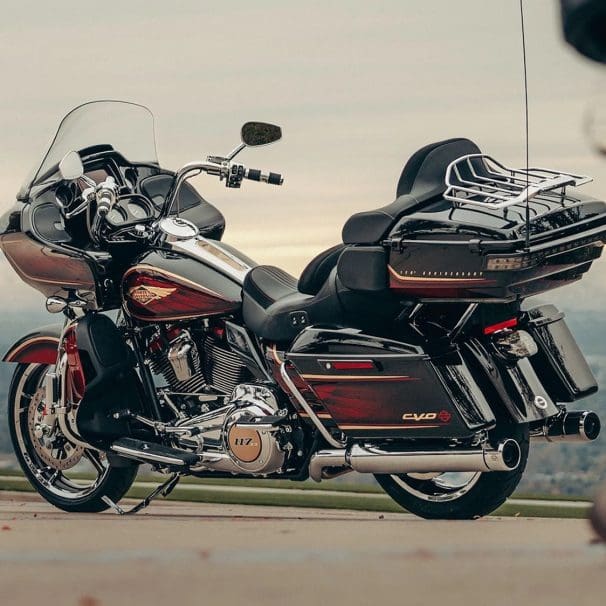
(147, 294)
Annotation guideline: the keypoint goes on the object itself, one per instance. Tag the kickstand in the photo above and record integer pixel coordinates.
(164, 490)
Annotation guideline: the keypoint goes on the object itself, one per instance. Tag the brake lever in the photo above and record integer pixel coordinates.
(87, 195)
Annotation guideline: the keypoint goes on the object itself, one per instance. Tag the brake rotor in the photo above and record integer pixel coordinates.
(49, 443)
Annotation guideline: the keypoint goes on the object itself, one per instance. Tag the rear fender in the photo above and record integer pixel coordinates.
(516, 386)
(37, 347)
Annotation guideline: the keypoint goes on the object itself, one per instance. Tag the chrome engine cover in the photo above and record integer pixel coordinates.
(252, 446)
(248, 446)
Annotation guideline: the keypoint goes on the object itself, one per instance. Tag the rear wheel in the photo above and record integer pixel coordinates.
(70, 476)
(459, 496)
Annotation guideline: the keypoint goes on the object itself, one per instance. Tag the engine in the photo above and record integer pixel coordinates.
(191, 364)
(243, 436)
(235, 425)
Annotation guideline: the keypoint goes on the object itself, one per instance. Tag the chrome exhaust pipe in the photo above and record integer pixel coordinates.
(369, 459)
(573, 426)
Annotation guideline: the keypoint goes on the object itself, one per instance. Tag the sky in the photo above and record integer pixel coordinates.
(357, 87)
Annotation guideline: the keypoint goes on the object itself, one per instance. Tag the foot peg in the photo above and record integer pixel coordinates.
(151, 452)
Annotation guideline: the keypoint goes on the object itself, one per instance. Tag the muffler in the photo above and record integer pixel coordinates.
(369, 459)
(573, 426)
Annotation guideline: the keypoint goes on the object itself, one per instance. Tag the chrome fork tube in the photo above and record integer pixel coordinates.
(62, 407)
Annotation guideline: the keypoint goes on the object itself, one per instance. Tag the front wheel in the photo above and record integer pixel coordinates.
(70, 476)
(458, 496)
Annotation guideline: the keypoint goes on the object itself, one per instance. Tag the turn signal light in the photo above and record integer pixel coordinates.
(489, 330)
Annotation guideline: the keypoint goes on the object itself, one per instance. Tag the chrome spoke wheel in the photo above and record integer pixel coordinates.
(437, 487)
(460, 495)
(65, 469)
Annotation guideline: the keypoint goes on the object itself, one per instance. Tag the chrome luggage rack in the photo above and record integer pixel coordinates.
(479, 180)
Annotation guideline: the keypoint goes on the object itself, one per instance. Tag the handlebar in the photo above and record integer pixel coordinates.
(219, 167)
(106, 194)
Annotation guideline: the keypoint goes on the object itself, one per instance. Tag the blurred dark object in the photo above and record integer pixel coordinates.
(598, 514)
(595, 121)
(584, 23)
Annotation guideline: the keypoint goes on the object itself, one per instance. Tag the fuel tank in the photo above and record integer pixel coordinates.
(195, 278)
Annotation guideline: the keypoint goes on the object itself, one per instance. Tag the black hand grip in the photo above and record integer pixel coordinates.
(255, 174)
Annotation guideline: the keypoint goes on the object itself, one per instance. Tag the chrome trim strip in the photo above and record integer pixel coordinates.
(307, 408)
(200, 249)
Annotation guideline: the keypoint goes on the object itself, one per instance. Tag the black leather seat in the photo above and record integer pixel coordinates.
(318, 269)
(277, 307)
(421, 180)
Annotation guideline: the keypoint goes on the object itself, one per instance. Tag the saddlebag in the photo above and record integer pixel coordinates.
(378, 388)
(559, 363)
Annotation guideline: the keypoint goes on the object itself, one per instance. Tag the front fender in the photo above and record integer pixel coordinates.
(39, 346)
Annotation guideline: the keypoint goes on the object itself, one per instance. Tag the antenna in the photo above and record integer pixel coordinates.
(526, 124)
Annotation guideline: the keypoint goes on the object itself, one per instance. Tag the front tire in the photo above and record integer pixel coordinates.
(58, 469)
(459, 496)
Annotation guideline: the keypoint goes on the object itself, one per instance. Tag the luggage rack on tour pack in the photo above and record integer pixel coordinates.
(479, 180)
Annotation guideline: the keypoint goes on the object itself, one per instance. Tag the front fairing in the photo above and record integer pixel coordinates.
(126, 128)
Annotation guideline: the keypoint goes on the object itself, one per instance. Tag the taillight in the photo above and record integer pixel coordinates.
(489, 330)
(75, 383)
(508, 263)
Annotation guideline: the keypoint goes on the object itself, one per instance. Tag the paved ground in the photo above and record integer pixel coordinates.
(184, 554)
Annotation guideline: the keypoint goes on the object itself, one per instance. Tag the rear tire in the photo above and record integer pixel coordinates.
(433, 499)
(36, 460)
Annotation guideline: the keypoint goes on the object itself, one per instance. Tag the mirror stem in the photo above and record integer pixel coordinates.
(234, 152)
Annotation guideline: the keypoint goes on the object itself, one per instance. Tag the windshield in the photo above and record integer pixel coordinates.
(127, 127)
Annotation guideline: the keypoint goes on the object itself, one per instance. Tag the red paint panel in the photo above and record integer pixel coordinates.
(372, 402)
(154, 295)
(37, 350)
(302, 386)
(44, 268)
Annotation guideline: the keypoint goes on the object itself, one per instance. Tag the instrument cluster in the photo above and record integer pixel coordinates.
(130, 209)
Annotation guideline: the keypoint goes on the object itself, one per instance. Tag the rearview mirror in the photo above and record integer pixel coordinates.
(260, 133)
(70, 167)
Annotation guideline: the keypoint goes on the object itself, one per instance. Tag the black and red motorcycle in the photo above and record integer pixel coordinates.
(405, 352)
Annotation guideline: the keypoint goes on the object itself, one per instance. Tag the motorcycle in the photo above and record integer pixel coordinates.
(408, 351)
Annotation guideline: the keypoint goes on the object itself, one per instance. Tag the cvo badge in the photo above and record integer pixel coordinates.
(443, 416)
(144, 295)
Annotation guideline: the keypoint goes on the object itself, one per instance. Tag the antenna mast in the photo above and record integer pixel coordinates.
(526, 124)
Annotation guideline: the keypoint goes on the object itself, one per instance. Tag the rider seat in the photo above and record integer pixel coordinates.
(277, 307)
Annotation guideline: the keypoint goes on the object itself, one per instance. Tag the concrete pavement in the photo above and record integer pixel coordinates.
(179, 553)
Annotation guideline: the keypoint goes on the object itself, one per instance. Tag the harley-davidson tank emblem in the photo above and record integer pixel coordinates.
(147, 294)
